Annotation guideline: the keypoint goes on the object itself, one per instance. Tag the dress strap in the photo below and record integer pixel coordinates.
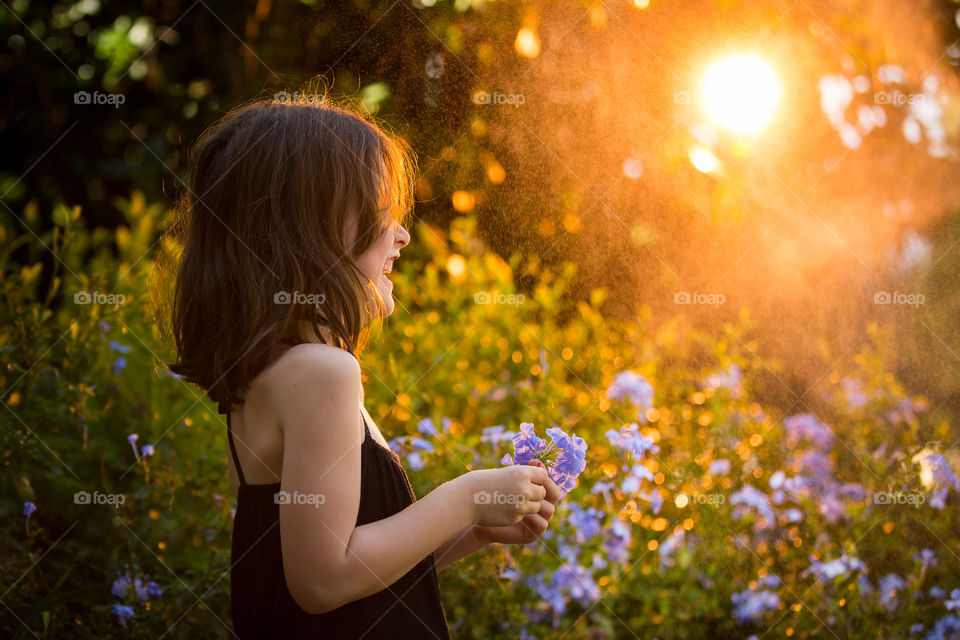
(233, 451)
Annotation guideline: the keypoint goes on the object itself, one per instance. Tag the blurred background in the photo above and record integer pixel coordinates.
(583, 131)
(751, 205)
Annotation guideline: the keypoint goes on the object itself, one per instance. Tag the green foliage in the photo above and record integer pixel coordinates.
(467, 350)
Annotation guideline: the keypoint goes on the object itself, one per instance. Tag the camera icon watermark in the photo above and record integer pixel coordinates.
(285, 497)
(98, 297)
(485, 97)
(97, 97)
(297, 97)
(297, 297)
(898, 98)
(495, 297)
(899, 497)
(695, 297)
(485, 497)
(683, 499)
(85, 497)
(911, 299)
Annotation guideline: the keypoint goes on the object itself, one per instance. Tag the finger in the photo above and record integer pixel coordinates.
(554, 493)
(536, 524)
(546, 510)
(530, 507)
(539, 474)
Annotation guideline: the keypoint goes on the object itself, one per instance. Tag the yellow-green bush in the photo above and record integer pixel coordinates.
(686, 552)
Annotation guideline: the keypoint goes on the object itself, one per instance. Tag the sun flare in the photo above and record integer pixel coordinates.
(740, 92)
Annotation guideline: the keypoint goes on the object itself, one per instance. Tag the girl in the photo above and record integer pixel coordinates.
(291, 227)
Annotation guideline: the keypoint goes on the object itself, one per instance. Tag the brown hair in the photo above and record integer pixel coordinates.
(275, 190)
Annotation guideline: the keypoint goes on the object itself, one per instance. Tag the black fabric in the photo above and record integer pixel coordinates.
(261, 603)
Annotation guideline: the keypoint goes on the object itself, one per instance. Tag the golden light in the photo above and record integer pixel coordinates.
(463, 201)
(703, 160)
(456, 267)
(527, 43)
(740, 92)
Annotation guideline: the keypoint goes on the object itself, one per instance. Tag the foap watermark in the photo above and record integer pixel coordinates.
(297, 97)
(98, 297)
(485, 97)
(886, 297)
(98, 97)
(495, 297)
(485, 497)
(286, 497)
(898, 98)
(298, 297)
(682, 499)
(899, 497)
(696, 297)
(85, 497)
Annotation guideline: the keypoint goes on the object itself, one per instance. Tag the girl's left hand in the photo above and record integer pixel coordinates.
(532, 526)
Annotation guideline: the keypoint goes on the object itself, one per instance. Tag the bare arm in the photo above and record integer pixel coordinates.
(460, 546)
(328, 560)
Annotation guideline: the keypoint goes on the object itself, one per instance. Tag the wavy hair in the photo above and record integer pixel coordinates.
(282, 199)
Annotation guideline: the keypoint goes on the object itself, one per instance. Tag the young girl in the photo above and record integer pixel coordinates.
(292, 225)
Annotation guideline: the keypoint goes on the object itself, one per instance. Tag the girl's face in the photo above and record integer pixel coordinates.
(377, 261)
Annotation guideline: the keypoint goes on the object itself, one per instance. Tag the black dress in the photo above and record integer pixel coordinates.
(261, 603)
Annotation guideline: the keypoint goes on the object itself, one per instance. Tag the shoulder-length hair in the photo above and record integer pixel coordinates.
(283, 197)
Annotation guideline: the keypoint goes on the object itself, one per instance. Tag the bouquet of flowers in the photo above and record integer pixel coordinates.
(564, 457)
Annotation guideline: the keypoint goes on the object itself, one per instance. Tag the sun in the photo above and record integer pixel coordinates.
(740, 92)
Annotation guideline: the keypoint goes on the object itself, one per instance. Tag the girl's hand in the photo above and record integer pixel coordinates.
(532, 526)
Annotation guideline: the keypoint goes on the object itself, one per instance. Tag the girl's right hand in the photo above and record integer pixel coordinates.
(502, 497)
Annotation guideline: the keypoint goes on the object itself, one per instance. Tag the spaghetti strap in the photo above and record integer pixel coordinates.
(233, 451)
(366, 429)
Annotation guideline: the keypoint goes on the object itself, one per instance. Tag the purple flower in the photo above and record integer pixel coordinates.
(927, 557)
(123, 613)
(564, 458)
(720, 467)
(754, 499)
(853, 388)
(673, 542)
(630, 440)
(946, 628)
(121, 348)
(806, 426)
(148, 450)
(654, 498)
(618, 539)
(889, 586)
(936, 474)
(142, 588)
(729, 379)
(571, 460)
(633, 387)
(132, 439)
(586, 523)
(415, 460)
(527, 446)
(120, 585)
(419, 444)
(495, 434)
(29, 508)
(119, 365)
(833, 569)
(751, 606)
(427, 428)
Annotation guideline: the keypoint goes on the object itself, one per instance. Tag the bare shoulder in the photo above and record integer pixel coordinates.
(309, 377)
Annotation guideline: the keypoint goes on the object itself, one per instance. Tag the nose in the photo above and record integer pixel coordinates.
(403, 236)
